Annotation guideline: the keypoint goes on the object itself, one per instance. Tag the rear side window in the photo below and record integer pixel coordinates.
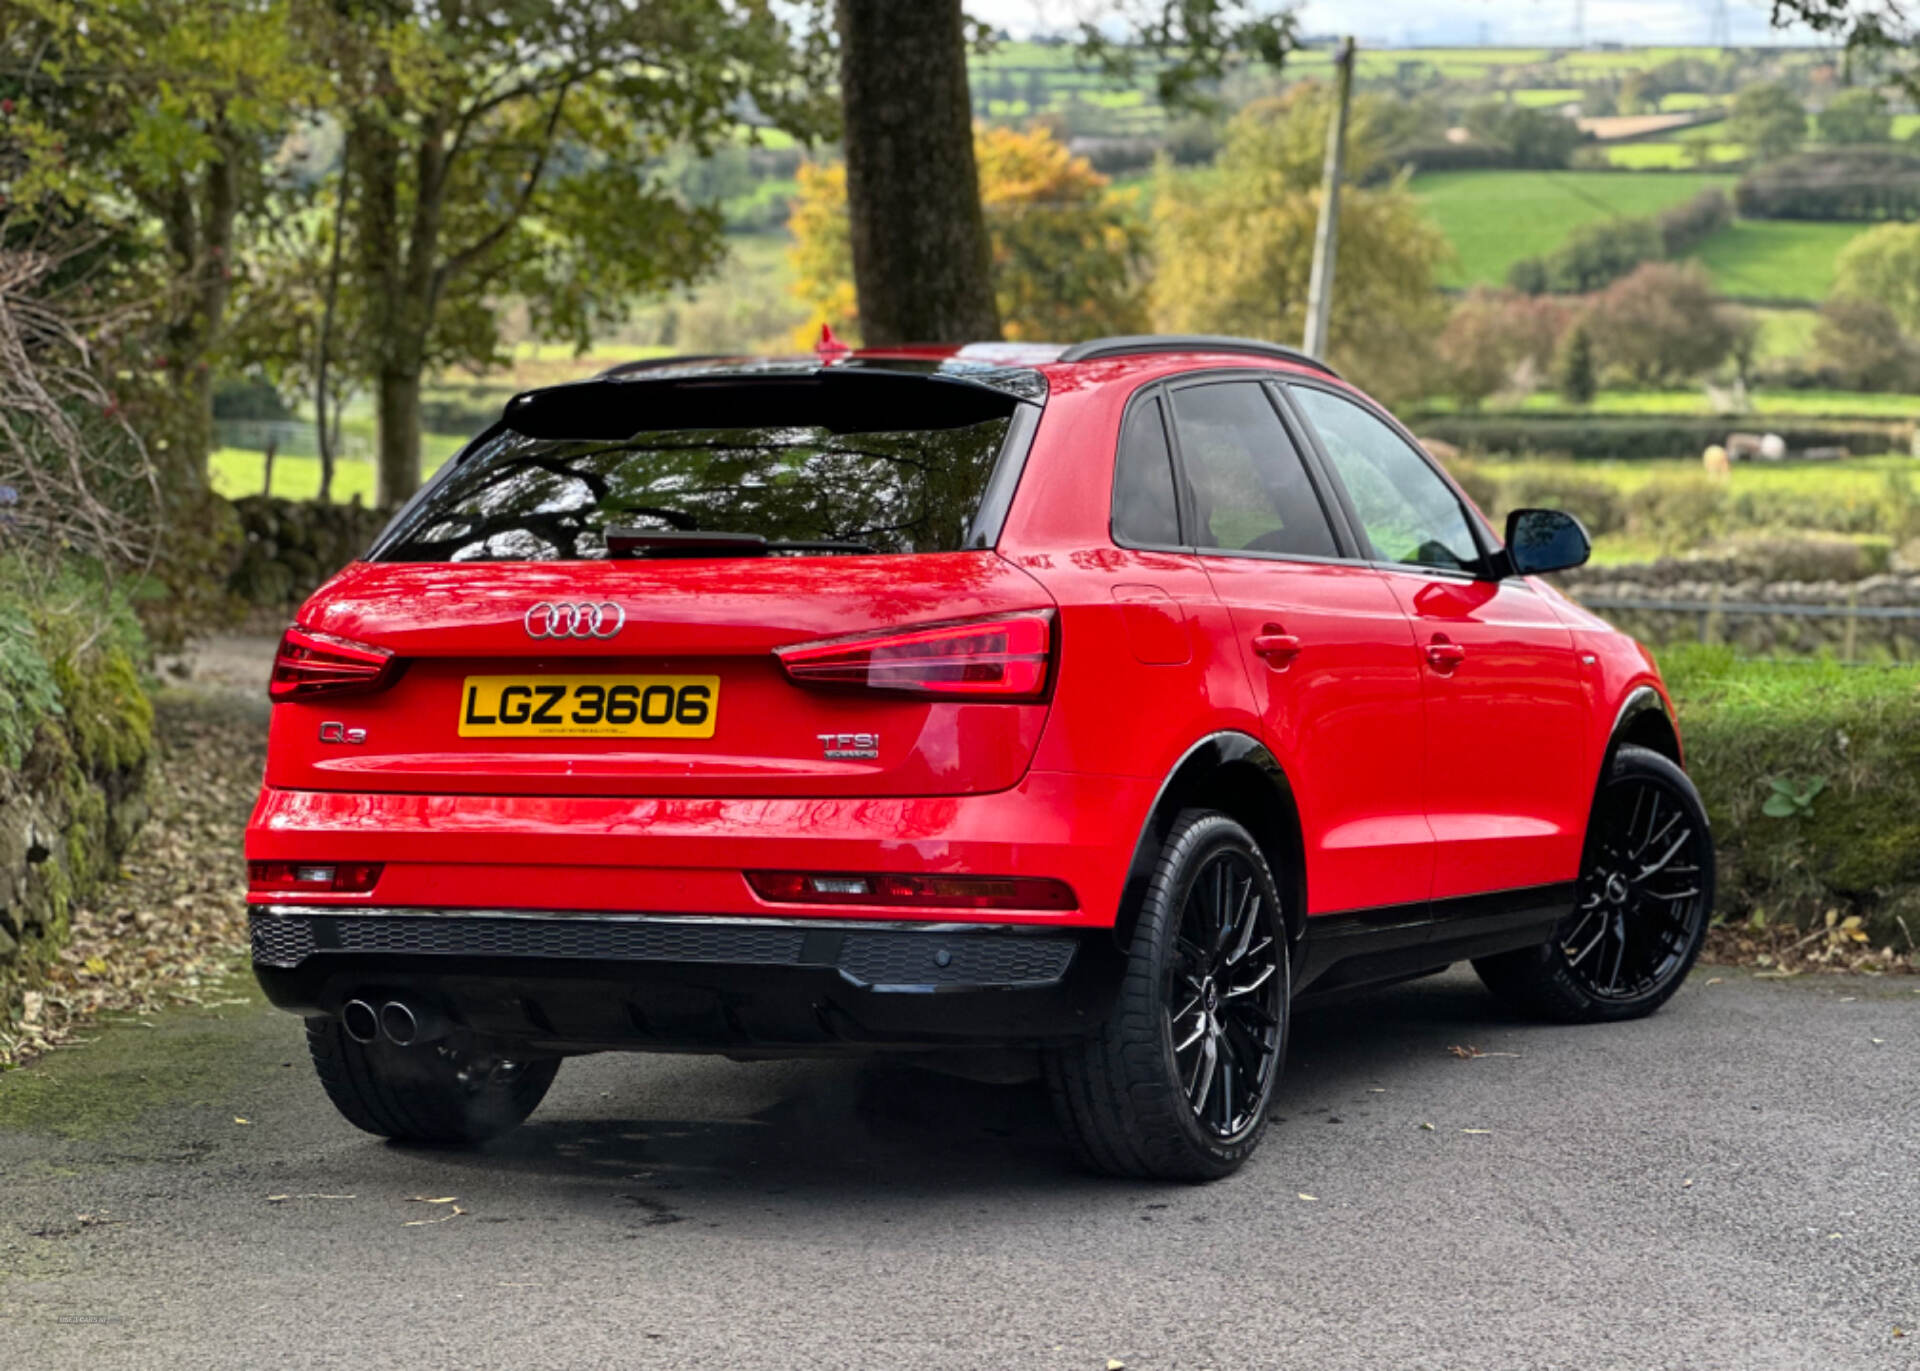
(1145, 513)
(1250, 489)
(788, 467)
(1410, 514)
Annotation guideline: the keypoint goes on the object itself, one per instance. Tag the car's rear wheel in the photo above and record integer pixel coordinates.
(1644, 897)
(1175, 1085)
(425, 1093)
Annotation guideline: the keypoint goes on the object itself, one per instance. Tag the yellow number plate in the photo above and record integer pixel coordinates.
(589, 706)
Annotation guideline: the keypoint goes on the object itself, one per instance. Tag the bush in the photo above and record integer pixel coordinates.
(249, 397)
(1593, 255)
(1678, 512)
(1834, 184)
(1856, 849)
(1533, 138)
(1684, 227)
(1594, 502)
(1861, 344)
(1661, 324)
(1857, 116)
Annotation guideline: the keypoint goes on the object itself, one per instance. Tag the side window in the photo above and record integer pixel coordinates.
(1410, 514)
(1250, 488)
(1145, 513)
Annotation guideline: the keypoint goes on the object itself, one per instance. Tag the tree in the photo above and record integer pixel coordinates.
(1863, 344)
(1573, 369)
(1769, 119)
(1066, 249)
(1857, 116)
(1233, 254)
(1661, 325)
(1496, 339)
(1534, 137)
(921, 258)
(1875, 33)
(154, 120)
(513, 155)
(1883, 265)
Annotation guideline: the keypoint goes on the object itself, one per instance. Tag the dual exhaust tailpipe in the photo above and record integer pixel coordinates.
(400, 1023)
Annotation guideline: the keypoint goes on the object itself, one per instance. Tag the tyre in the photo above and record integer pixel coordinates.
(1645, 895)
(424, 1094)
(1175, 1085)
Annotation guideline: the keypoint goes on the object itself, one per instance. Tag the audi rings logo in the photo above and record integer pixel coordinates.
(565, 620)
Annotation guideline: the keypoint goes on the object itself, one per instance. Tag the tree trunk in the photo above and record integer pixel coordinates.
(398, 405)
(921, 261)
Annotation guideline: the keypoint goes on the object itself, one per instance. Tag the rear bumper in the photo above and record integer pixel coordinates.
(571, 982)
(686, 855)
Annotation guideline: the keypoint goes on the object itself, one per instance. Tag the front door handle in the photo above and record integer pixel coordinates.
(1276, 645)
(1444, 654)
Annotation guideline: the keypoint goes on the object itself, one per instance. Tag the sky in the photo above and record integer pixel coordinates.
(1407, 23)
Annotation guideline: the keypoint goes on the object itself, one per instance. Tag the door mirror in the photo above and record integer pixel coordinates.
(1545, 540)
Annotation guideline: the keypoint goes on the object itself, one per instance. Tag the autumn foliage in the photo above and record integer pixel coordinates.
(1068, 249)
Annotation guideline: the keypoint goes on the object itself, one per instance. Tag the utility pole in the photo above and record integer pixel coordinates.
(1325, 237)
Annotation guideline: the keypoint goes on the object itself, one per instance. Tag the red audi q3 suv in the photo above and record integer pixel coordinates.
(1101, 701)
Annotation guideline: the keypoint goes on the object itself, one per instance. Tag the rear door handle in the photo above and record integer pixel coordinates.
(1276, 646)
(1445, 654)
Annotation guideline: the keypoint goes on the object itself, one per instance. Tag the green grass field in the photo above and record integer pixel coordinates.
(1658, 156)
(237, 472)
(1776, 258)
(1856, 477)
(1495, 218)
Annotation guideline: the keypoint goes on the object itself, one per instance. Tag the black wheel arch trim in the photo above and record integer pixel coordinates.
(1235, 773)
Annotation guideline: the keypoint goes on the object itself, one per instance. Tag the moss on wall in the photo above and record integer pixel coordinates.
(76, 732)
(1811, 774)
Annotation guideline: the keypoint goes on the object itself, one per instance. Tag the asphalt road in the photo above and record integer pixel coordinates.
(1733, 1183)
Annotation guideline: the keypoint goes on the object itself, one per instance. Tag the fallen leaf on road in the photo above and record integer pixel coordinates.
(455, 1212)
(1305, 1196)
(1376, 1090)
(1713, 980)
(1480, 1131)
(1876, 1041)
(1115, 1364)
(1467, 1053)
(428, 1199)
(1427, 1126)
(238, 1119)
(1687, 1184)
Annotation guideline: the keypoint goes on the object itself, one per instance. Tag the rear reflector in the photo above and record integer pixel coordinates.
(312, 664)
(1002, 658)
(312, 878)
(933, 892)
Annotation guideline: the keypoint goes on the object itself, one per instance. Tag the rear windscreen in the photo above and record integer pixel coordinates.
(516, 497)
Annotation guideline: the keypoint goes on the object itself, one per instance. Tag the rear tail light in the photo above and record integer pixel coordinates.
(312, 878)
(932, 892)
(1005, 658)
(313, 664)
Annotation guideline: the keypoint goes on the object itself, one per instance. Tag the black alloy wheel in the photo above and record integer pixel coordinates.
(1641, 906)
(1222, 1013)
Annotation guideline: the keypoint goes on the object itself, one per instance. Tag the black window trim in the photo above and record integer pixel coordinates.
(1146, 394)
(1492, 553)
(1349, 550)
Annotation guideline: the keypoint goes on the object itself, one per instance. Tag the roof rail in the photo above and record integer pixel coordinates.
(1133, 344)
(655, 363)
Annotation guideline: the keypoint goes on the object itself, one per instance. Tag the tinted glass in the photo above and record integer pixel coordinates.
(1145, 513)
(1410, 514)
(517, 498)
(1250, 489)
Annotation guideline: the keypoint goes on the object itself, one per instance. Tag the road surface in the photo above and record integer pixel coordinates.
(1732, 1183)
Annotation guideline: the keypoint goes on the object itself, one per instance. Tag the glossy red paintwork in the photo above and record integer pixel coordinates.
(1441, 737)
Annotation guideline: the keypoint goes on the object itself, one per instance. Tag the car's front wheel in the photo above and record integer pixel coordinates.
(1175, 1085)
(1644, 897)
(424, 1093)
